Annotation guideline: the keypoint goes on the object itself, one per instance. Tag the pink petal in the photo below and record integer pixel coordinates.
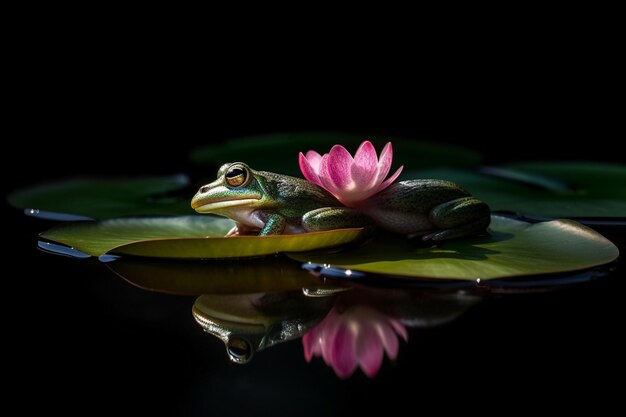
(365, 167)
(389, 180)
(389, 339)
(309, 172)
(327, 331)
(324, 177)
(384, 163)
(314, 160)
(311, 343)
(339, 166)
(369, 350)
(399, 328)
(343, 352)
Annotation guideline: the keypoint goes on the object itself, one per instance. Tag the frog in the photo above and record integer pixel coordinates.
(249, 323)
(266, 203)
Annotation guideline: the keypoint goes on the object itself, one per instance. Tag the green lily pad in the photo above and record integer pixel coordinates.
(560, 189)
(185, 237)
(106, 198)
(278, 152)
(514, 248)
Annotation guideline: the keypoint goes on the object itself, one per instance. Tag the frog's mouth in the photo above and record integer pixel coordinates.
(202, 206)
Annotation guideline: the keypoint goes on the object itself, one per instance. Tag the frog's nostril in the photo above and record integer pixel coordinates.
(204, 189)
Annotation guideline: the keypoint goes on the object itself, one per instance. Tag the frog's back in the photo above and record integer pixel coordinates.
(295, 196)
(405, 206)
(418, 196)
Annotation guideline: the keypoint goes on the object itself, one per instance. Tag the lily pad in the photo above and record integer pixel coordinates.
(560, 189)
(513, 248)
(188, 237)
(105, 198)
(278, 152)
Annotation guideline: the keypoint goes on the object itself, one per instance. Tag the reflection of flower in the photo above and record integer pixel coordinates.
(354, 336)
(350, 180)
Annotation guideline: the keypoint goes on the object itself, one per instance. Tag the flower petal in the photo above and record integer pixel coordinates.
(384, 162)
(389, 339)
(312, 344)
(308, 170)
(327, 329)
(339, 167)
(343, 353)
(389, 180)
(399, 328)
(365, 167)
(369, 350)
(314, 160)
(324, 177)
(351, 180)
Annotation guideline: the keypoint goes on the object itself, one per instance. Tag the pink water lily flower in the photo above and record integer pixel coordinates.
(350, 180)
(354, 336)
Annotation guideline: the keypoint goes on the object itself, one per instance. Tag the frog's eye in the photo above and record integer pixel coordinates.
(236, 176)
(239, 350)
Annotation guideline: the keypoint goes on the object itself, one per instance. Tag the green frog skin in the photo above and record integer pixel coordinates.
(270, 203)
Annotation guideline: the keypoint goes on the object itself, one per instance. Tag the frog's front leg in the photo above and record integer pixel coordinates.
(329, 218)
(274, 225)
(464, 216)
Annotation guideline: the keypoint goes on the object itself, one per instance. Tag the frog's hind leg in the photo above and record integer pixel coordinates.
(329, 218)
(464, 216)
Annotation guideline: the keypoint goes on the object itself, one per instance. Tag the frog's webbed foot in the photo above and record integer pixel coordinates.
(465, 216)
(241, 230)
(329, 218)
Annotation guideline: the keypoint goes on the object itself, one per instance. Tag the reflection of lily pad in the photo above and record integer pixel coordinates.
(279, 152)
(514, 248)
(561, 189)
(218, 277)
(106, 198)
(184, 237)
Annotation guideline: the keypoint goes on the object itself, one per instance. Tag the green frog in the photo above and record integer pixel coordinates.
(267, 203)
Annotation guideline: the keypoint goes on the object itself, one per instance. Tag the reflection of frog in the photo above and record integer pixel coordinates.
(247, 323)
(275, 204)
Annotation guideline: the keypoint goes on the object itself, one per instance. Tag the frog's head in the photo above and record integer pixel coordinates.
(234, 320)
(248, 323)
(236, 186)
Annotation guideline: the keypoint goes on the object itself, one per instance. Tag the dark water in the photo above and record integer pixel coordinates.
(81, 338)
(116, 345)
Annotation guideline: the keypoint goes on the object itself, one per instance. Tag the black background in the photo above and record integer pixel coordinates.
(82, 340)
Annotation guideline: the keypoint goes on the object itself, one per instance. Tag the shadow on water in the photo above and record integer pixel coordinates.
(453, 249)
